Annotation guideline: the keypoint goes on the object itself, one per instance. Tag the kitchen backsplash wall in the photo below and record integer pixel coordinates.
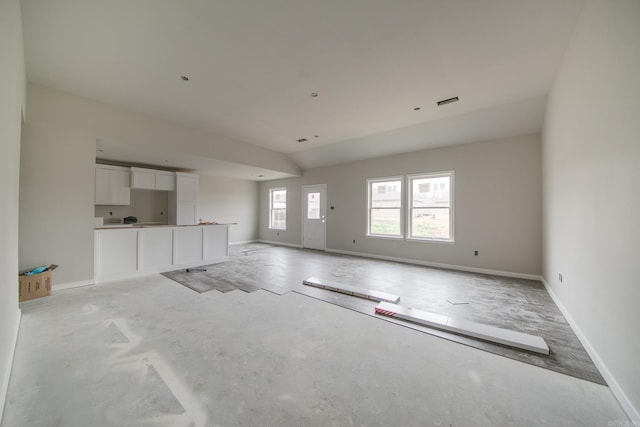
(146, 205)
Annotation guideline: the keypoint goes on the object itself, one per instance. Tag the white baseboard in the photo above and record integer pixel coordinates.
(617, 391)
(242, 242)
(440, 265)
(71, 285)
(12, 351)
(292, 245)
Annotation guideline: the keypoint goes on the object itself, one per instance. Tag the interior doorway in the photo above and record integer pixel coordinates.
(314, 223)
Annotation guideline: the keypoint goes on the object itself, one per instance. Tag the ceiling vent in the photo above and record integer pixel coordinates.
(448, 101)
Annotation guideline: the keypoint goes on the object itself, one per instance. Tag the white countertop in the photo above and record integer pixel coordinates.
(121, 226)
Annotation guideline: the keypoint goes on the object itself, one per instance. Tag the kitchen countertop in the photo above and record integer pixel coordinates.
(128, 226)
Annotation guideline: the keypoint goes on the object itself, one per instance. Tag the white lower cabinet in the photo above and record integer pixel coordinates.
(155, 248)
(123, 253)
(117, 253)
(188, 244)
(211, 246)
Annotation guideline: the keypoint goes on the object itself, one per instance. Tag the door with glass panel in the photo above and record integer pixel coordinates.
(314, 200)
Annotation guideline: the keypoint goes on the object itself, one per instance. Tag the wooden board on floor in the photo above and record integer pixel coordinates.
(369, 294)
(465, 327)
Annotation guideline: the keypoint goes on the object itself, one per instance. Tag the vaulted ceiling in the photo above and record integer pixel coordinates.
(254, 67)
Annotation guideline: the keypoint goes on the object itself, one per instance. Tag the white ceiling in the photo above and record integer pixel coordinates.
(254, 64)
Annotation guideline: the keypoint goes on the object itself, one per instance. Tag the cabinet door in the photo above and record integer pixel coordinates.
(156, 248)
(187, 188)
(117, 253)
(120, 191)
(187, 244)
(216, 242)
(186, 213)
(165, 182)
(143, 180)
(103, 177)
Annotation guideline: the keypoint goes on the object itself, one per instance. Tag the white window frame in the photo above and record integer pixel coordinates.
(409, 209)
(271, 208)
(370, 183)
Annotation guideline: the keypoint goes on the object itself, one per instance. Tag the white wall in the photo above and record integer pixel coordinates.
(591, 158)
(12, 102)
(57, 171)
(56, 191)
(497, 205)
(226, 200)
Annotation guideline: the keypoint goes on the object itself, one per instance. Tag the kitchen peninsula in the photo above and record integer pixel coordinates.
(130, 251)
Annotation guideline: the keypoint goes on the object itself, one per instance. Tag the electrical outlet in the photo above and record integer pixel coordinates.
(475, 253)
(560, 277)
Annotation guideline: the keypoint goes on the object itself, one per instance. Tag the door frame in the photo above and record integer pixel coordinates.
(304, 213)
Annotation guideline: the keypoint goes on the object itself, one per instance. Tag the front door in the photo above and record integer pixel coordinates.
(314, 201)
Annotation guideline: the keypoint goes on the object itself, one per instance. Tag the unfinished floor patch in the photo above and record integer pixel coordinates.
(465, 327)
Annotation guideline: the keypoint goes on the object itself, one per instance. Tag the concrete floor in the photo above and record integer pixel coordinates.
(514, 304)
(150, 352)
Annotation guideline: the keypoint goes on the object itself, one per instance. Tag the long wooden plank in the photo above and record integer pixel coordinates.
(370, 294)
(465, 327)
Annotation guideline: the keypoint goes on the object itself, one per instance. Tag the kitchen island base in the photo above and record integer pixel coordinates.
(122, 253)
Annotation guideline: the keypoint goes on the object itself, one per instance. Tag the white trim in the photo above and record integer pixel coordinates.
(292, 245)
(617, 391)
(12, 351)
(242, 242)
(71, 285)
(440, 265)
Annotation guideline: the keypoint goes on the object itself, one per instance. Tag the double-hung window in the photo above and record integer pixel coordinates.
(278, 208)
(427, 201)
(430, 211)
(385, 207)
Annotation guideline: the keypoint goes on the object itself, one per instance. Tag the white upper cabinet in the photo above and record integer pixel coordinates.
(165, 181)
(112, 185)
(151, 179)
(183, 203)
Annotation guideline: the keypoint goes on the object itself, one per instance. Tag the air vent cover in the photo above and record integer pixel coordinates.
(448, 101)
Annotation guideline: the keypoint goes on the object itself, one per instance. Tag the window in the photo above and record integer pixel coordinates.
(430, 209)
(313, 206)
(385, 207)
(278, 208)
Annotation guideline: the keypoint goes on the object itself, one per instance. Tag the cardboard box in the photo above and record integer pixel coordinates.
(35, 286)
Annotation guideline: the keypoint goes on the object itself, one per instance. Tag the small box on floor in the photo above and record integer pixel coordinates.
(35, 285)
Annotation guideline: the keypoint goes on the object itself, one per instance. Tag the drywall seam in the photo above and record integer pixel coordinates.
(12, 351)
(292, 245)
(615, 388)
(440, 265)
